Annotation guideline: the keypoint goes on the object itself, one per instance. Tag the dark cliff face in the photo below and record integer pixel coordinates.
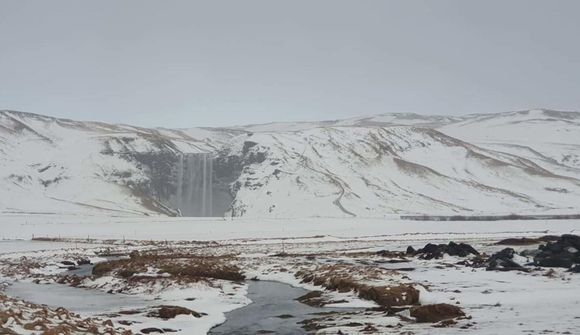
(190, 184)
(157, 164)
(229, 166)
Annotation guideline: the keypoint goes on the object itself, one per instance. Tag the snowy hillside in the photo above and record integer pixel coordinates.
(380, 120)
(549, 138)
(366, 171)
(52, 165)
(519, 162)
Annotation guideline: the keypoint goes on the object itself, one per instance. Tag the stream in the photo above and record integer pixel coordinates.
(78, 300)
(273, 310)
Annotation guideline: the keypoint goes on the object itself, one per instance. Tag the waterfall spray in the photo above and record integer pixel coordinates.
(194, 193)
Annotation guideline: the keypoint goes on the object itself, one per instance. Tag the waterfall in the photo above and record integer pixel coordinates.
(194, 185)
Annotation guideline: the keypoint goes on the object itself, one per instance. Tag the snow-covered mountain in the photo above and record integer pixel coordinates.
(517, 162)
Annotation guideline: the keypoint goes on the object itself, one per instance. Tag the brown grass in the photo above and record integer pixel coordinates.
(436, 313)
(340, 278)
(183, 266)
(401, 295)
(170, 312)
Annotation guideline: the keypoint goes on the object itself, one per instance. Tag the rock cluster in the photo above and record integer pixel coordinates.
(563, 253)
(503, 261)
(431, 251)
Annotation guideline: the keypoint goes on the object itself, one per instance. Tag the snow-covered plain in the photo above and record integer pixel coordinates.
(215, 229)
(497, 302)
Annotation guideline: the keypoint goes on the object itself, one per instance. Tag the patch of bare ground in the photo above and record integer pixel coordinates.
(313, 298)
(528, 241)
(436, 313)
(178, 266)
(350, 278)
(519, 241)
(17, 315)
(170, 312)
(400, 295)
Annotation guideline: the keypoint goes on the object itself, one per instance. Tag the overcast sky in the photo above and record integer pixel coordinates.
(211, 63)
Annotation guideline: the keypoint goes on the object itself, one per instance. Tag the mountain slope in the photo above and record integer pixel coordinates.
(53, 165)
(368, 171)
(518, 162)
(549, 138)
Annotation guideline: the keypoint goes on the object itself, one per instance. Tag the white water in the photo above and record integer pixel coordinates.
(194, 195)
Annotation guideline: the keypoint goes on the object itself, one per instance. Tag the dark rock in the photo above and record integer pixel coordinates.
(247, 146)
(68, 263)
(530, 252)
(564, 253)
(572, 240)
(503, 261)
(549, 238)
(461, 249)
(83, 261)
(431, 251)
(152, 330)
(507, 253)
(575, 269)
(554, 261)
(410, 250)
(170, 312)
(436, 313)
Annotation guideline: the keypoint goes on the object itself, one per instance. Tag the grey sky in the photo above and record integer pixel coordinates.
(193, 63)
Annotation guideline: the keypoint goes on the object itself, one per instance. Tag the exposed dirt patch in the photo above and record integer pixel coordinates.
(170, 312)
(519, 241)
(390, 295)
(436, 313)
(189, 268)
(313, 299)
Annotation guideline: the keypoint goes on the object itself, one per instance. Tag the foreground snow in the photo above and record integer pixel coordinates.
(506, 302)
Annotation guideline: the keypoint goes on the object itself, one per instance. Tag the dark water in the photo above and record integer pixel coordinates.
(270, 300)
(84, 270)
